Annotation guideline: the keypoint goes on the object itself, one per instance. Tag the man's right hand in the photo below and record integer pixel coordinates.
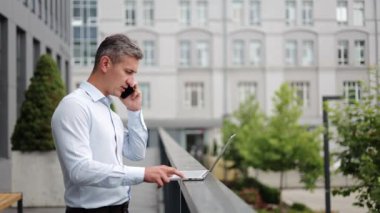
(160, 174)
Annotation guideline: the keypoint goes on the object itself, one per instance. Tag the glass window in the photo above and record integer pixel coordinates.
(148, 13)
(342, 12)
(185, 13)
(149, 58)
(185, 54)
(254, 12)
(145, 90)
(202, 12)
(246, 89)
(36, 52)
(238, 52)
(307, 53)
(290, 12)
(194, 95)
(352, 91)
(358, 13)
(130, 13)
(291, 52)
(343, 52)
(302, 90)
(20, 67)
(307, 12)
(237, 11)
(255, 52)
(359, 52)
(203, 53)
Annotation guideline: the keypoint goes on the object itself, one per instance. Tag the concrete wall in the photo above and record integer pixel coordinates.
(38, 176)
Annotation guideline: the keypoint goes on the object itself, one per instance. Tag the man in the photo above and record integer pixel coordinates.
(91, 140)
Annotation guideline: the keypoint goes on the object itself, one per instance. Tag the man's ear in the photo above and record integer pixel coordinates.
(105, 63)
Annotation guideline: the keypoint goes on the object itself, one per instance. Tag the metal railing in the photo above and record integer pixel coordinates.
(209, 195)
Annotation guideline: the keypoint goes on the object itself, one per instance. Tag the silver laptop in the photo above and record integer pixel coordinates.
(201, 174)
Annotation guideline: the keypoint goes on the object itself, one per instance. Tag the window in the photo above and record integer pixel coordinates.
(290, 12)
(307, 12)
(84, 31)
(202, 53)
(185, 54)
(59, 63)
(46, 12)
(130, 13)
(20, 67)
(352, 91)
(307, 53)
(246, 89)
(149, 58)
(359, 52)
(33, 6)
(202, 13)
(4, 89)
(254, 13)
(145, 90)
(238, 52)
(358, 13)
(343, 52)
(36, 52)
(342, 12)
(48, 51)
(148, 13)
(39, 8)
(185, 13)
(194, 95)
(237, 11)
(255, 52)
(291, 52)
(302, 90)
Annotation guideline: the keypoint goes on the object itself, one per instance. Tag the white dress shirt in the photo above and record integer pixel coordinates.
(90, 141)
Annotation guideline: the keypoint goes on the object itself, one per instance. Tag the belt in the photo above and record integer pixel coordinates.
(122, 208)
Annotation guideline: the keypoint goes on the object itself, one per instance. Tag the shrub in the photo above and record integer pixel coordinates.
(32, 131)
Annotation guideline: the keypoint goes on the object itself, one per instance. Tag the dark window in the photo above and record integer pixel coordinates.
(36, 52)
(20, 67)
(59, 63)
(46, 11)
(3, 90)
(48, 51)
(67, 76)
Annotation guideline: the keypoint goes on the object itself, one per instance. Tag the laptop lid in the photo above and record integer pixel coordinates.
(201, 174)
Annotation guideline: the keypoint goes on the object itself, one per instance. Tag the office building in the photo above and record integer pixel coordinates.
(202, 58)
(28, 28)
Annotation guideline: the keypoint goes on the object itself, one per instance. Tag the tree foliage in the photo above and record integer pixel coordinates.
(32, 131)
(277, 143)
(358, 127)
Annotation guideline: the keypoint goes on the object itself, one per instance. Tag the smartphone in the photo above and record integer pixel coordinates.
(127, 92)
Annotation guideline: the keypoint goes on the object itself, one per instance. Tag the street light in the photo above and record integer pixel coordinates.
(326, 150)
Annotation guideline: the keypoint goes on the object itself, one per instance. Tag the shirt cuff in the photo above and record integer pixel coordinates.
(136, 115)
(135, 175)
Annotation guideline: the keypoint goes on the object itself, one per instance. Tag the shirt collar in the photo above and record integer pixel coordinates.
(95, 93)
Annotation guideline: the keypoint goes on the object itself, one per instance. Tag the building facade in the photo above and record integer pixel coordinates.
(204, 57)
(28, 28)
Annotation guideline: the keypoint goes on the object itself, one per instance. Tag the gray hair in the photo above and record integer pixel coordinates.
(115, 46)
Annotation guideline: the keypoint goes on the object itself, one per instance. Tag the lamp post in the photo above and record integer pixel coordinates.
(326, 150)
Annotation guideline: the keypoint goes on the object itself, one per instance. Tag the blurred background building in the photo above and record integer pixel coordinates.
(204, 57)
(201, 57)
(28, 29)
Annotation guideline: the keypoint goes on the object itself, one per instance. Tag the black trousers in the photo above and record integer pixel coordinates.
(123, 208)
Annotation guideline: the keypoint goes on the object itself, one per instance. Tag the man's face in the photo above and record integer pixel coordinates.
(122, 74)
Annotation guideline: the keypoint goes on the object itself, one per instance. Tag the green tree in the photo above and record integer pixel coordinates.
(358, 127)
(278, 143)
(32, 131)
(248, 123)
(289, 145)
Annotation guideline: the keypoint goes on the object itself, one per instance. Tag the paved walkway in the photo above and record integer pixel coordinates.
(316, 199)
(145, 197)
